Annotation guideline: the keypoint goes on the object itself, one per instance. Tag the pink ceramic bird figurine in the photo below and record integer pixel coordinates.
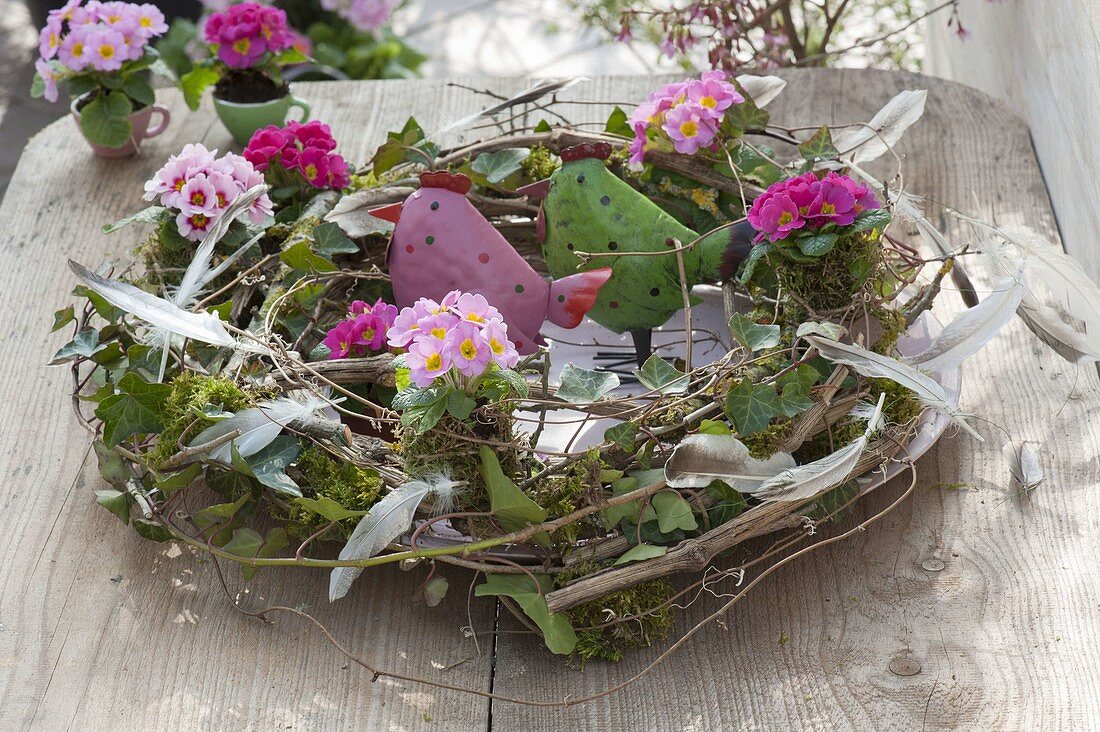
(442, 243)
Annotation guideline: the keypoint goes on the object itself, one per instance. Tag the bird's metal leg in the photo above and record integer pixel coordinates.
(643, 345)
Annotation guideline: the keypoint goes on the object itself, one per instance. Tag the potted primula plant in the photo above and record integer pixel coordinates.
(249, 45)
(99, 53)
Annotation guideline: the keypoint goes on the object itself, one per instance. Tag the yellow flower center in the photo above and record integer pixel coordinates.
(468, 350)
(497, 346)
(106, 51)
(146, 22)
(785, 217)
(198, 198)
(311, 171)
(434, 362)
(689, 128)
(828, 208)
(475, 317)
(78, 49)
(439, 333)
(708, 101)
(198, 221)
(241, 45)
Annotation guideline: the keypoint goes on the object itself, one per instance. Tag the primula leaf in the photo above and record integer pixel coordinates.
(872, 218)
(580, 386)
(510, 506)
(106, 119)
(556, 630)
(498, 166)
(329, 239)
(657, 373)
(752, 335)
(195, 81)
(136, 409)
(818, 245)
(751, 406)
(84, 345)
(459, 405)
(641, 552)
(137, 87)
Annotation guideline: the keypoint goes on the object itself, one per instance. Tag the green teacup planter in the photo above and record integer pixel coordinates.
(249, 45)
(103, 130)
(244, 118)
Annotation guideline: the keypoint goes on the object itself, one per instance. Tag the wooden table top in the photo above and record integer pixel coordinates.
(100, 629)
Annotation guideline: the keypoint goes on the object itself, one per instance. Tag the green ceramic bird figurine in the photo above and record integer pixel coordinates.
(587, 208)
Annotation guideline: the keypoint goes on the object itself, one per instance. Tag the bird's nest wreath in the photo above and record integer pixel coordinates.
(310, 369)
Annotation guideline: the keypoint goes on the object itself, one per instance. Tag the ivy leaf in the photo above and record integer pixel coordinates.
(613, 515)
(818, 245)
(269, 465)
(794, 399)
(714, 427)
(624, 435)
(648, 533)
(618, 123)
(135, 409)
(752, 406)
(746, 115)
(173, 482)
(641, 552)
(111, 465)
(329, 239)
(543, 126)
(804, 375)
(752, 335)
(328, 508)
(658, 374)
(731, 503)
(151, 530)
(581, 386)
(819, 146)
(396, 148)
(758, 252)
(833, 503)
(872, 218)
(249, 544)
(512, 508)
(195, 81)
(83, 345)
(435, 590)
(300, 257)
(63, 317)
(672, 512)
(531, 597)
(497, 166)
(115, 501)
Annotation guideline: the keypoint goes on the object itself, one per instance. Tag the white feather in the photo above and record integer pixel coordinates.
(530, 94)
(197, 274)
(388, 519)
(1055, 329)
(700, 459)
(155, 310)
(804, 482)
(973, 328)
(1023, 464)
(875, 365)
(864, 143)
(762, 89)
(259, 426)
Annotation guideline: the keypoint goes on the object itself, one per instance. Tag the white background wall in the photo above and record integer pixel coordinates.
(1043, 58)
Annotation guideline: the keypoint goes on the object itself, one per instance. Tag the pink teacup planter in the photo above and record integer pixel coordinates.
(140, 128)
(100, 54)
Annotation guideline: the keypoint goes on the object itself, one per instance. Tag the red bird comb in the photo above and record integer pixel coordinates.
(598, 150)
(456, 182)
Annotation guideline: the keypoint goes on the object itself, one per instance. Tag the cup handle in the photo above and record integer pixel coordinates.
(165, 116)
(296, 102)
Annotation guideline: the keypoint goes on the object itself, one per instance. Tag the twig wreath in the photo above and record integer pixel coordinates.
(307, 360)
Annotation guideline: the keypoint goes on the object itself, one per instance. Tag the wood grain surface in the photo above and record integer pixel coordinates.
(102, 630)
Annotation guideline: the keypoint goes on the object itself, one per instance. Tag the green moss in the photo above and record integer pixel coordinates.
(646, 626)
(184, 409)
(901, 406)
(320, 475)
(561, 495)
(540, 164)
(832, 280)
(768, 441)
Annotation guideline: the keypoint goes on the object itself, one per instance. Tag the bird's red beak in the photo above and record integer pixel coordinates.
(391, 213)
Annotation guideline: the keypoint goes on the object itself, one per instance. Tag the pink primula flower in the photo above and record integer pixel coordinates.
(502, 350)
(49, 39)
(107, 49)
(469, 349)
(428, 358)
(49, 78)
(689, 128)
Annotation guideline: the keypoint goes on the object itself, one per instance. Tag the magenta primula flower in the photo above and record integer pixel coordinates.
(243, 33)
(340, 340)
(689, 128)
(779, 217)
(267, 146)
(313, 165)
(808, 201)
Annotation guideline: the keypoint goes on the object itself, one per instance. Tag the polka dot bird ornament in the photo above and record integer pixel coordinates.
(589, 209)
(442, 243)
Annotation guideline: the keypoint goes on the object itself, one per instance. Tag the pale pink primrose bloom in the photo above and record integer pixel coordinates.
(48, 77)
(199, 195)
(49, 39)
(469, 350)
(74, 52)
(475, 308)
(689, 128)
(427, 359)
(502, 351)
(193, 226)
(107, 49)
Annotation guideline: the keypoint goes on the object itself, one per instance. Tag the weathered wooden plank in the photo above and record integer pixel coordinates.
(1005, 634)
